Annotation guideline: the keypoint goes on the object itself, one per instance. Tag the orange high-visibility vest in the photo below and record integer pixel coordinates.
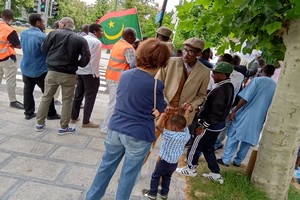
(5, 47)
(117, 61)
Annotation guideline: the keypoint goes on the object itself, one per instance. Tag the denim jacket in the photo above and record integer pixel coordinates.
(33, 63)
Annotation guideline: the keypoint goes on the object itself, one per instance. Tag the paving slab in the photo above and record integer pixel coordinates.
(80, 176)
(71, 139)
(4, 156)
(38, 191)
(97, 143)
(83, 156)
(26, 146)
(5, 184)
(36, 168)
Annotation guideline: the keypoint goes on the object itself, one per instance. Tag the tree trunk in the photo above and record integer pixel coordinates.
(281, 135)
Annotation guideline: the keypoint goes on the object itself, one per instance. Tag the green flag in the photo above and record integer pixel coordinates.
(113, 24)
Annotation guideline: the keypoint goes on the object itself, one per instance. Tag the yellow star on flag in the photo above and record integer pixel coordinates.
(111, 24)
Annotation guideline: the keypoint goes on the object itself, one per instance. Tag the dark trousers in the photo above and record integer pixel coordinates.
(192, 129)
(204, 143)
(163, 170)
(28, 99)
(87, 87)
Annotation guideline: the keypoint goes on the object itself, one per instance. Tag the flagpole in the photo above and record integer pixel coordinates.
(116, 4)
(139, 23)
(163, 12)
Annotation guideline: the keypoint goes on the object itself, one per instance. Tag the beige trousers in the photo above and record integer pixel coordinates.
(9, 69)
(52, 81)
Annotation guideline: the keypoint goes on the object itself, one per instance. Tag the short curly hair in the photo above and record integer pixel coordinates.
(152, 54)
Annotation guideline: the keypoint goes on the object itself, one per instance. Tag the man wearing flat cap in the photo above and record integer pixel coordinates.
(211, 121)
(163, 34)
(185, 79)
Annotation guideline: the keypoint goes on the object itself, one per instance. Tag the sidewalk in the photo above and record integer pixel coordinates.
(45, 166)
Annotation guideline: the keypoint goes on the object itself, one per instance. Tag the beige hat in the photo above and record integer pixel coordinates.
(165, 31)
(195, 42)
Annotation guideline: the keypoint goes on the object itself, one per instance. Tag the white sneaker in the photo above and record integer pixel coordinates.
(186, 171)
(214, 177)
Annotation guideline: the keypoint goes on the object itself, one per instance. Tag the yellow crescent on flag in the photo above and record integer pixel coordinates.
(114, 37)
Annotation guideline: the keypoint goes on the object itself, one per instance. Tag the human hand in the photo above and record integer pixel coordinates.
(232, 116)
(199, 130)
(156, 113)
(169, 110)
(187, 107)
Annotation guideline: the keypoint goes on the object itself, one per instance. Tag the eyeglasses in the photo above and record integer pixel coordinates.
(190, 52)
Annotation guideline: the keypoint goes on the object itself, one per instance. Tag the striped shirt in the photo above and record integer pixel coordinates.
(173, 144)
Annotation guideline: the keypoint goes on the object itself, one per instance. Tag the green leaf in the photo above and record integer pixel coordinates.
(273, 5)
(204, 3)
(219, 4)
(271, 28)
(294, 13)
(208, 45)
(222, 48)
(238, 47)
(187, 24)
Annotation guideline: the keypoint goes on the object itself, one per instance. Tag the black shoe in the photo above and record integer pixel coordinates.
(57, 116)
(236, 165)
(220, 161)
(163, 197)
(16, 104)
(28, 117)
(148, 196)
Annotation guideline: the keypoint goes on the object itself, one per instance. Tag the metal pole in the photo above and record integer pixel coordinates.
(46, 12)
(163, 9)
(116, 4)
(8, 4)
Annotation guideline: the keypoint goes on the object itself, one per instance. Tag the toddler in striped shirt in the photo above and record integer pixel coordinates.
(171, 149)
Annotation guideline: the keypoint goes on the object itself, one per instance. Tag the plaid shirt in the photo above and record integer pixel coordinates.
(173, 144)
(129, 54)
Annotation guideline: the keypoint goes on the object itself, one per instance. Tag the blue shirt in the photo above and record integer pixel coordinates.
(173, 144)
(134, 105)
(33, 63)
(250, 118)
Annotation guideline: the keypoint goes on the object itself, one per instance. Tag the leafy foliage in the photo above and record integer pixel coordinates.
(250, 24)
(87, 14)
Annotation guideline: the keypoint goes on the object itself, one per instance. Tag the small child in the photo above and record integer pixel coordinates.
(172, 148)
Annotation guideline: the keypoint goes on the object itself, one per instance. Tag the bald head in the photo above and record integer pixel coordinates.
(67, 23)
(129, 34)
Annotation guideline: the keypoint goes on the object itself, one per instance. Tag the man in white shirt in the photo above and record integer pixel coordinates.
(88, 79)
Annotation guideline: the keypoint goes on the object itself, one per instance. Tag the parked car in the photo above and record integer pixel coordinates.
(26, 24)
(17, 23)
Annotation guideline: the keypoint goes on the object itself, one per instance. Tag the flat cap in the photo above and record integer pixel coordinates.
(195, 42)
(223, 67)
(165, 31)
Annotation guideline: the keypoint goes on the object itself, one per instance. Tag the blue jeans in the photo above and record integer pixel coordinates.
(116, 146)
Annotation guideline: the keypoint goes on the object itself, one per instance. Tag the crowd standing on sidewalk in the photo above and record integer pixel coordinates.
(190, 98)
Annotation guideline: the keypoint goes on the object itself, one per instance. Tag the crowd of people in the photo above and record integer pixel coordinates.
(153, 91)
